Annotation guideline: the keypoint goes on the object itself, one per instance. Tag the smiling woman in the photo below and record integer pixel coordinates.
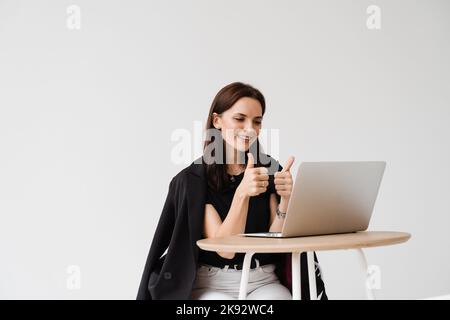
(233, 188)
(240, 197)
(241, 124)
(237, 112)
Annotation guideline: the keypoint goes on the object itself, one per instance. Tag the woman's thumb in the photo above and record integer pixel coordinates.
(250, 161)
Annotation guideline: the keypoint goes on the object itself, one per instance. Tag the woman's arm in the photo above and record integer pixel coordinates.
(234, 223)
(276, 223)
(283, 186)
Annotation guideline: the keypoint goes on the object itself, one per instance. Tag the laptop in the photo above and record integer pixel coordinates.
(330, 198)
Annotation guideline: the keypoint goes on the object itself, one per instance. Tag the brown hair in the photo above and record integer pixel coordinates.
(216, 172)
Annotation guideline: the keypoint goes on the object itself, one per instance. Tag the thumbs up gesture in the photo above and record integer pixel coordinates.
(283, 180)
(255, 180)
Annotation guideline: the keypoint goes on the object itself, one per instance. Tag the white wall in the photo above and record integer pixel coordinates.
(86, 118)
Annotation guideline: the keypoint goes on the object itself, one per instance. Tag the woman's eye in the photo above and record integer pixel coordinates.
(239, 119)
(258, 122)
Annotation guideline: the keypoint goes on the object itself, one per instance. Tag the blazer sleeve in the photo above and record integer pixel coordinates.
(160, 242)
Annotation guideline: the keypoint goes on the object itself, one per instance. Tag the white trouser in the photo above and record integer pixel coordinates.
(213, 283)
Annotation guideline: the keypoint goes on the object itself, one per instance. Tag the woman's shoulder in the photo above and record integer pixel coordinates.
(196, 169)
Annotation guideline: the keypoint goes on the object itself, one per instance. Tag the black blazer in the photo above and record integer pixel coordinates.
(171, 276)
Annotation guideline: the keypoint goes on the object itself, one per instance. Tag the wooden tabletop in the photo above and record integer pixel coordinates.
(354, 240)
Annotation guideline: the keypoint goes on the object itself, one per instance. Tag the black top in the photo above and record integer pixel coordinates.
(258, 220)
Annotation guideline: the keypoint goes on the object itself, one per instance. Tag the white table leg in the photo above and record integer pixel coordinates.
(312, 276)
(244, 277)
(296, 287)
(365, 266)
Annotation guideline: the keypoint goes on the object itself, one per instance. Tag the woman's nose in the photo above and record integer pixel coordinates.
(249, 129)
(250, 126)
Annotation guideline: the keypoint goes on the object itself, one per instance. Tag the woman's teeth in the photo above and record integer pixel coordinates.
(245, 138)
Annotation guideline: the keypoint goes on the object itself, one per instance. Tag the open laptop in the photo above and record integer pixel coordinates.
(329, 198)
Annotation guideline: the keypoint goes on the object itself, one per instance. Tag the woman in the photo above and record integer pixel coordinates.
(233, 188)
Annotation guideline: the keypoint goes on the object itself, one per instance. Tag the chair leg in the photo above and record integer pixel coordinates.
(365, 266)
(312, 276)
(244, 277)
(296, 287)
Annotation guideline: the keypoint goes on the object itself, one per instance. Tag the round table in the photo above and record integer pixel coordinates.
(297, 245)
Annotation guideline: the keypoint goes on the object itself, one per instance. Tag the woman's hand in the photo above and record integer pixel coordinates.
(255, 180)
(283, 183)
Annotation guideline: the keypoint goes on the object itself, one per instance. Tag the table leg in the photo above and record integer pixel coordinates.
(244, 277)
(363, 260)
(312, 276)
(296, 288)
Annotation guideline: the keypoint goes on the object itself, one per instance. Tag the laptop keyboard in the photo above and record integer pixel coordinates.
(264, 234)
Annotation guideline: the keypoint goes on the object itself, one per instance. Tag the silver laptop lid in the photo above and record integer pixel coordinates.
(333, 197)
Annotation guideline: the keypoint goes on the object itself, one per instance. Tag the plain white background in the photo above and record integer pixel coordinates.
(86, 118)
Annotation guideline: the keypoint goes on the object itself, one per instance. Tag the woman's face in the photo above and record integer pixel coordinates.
(241, 123)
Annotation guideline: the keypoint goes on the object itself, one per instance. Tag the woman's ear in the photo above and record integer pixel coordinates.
(217, 121)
